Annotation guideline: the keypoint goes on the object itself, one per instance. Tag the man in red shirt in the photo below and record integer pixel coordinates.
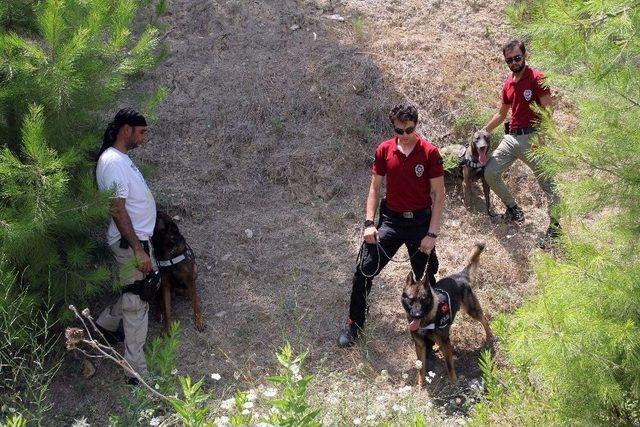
(524, 87)
(411, 214)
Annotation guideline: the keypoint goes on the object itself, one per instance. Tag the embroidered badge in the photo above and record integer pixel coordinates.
(527, 95)
(419, 170)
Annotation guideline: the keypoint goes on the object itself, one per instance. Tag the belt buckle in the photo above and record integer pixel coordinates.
(407, 215)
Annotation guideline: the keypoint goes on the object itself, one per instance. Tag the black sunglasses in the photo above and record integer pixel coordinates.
(516, 58)
(408, 130)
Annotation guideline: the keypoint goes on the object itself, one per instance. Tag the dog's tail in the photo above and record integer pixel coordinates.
(474, 259)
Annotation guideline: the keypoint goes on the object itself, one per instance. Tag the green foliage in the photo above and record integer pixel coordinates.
(27, 352)
(191, 409)
(16, 420)
(577, 343)
(291, 408)
(62, 63)
(74, 62)
(162, 357)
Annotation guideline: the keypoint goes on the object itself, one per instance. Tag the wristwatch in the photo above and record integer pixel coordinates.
(430, 234)
(369, 223)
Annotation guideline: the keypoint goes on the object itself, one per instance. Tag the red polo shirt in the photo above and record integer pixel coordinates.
(408, 186)
(521, 94)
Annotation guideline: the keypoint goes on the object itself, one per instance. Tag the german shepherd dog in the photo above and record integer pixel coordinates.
(472, 160)
(431, 311)
(177, 268)
(475, 158)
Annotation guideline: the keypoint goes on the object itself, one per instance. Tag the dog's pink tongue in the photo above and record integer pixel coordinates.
(482, 157)
(414, 325)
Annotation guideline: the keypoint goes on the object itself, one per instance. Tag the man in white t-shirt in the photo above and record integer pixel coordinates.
(129, 234)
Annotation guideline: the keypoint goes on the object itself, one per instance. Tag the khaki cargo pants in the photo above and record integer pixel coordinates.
(510, 149)
(130, 309)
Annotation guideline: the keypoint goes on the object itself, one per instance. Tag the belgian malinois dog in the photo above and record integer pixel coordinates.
(177, 268)
(431, 311)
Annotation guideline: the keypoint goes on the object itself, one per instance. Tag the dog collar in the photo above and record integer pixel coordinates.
(187, 254)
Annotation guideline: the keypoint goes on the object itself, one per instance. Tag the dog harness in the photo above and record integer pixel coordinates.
(463, 161)
(443, 317)
(187, 254)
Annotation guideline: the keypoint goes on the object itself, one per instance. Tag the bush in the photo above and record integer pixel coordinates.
(578, 342)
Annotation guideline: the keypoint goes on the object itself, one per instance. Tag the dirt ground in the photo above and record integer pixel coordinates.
(273, 113)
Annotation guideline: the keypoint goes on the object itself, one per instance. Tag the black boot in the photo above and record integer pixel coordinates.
(515, 213)
(348, 335)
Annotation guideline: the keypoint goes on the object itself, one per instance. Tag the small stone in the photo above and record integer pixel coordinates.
(249, 233)
(335, 17)
(294, 27)
(221, 313)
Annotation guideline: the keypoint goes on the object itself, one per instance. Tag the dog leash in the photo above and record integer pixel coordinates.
(379, 248)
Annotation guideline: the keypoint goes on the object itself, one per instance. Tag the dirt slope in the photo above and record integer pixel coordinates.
(273, 114)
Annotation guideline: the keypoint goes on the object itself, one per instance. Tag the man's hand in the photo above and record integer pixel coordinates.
(144, 261)
(371, 235)
(427, 244)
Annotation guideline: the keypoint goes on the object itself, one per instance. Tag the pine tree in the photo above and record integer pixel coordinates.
(62, 63)
(580, 338)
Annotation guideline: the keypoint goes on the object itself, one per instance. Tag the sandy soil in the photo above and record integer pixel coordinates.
(273, 114)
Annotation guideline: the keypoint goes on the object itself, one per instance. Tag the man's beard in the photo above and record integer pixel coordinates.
(520, 68)
(131, 143)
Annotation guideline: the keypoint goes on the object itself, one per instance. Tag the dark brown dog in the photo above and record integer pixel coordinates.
(475, 158)
(431, 311)
(177, 267)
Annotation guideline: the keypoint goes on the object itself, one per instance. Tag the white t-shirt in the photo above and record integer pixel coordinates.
(115, 170)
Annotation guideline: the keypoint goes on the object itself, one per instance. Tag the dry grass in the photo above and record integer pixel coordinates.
(273, 129)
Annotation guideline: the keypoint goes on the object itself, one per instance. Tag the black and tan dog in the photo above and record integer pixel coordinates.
(177, 267)
(472, 160)
(431, 311)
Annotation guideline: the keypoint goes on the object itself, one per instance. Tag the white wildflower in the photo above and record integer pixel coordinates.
(431, 374)
(404, 389)
(405, 376)
(270, 392)
(295, 369)
(247, 405)
(274, 410)
(157, 386)
(384, 373)
(357, 421)
(228, 404)
(147, 413)
(297, 377)
(251, 395)
(82, 422)
(371, 417)
(12, 410)
(418, 364)
(246, 412)
(399, 408)
(428, 380)
(221, 421)
(236, 375)
(215, 376)
(174, 371)
(155, 421)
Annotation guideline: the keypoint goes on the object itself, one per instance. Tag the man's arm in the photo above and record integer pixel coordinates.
(437, 206)
(123, 222)
(371, 233)
(498, 118)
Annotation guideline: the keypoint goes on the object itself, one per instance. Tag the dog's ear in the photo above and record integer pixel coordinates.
(410, 279)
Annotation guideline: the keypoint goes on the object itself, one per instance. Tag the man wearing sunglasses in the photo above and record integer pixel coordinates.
(410, 214)
(524, 87)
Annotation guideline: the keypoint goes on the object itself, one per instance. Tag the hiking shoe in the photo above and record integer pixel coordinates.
(112, 337)
(348, 335)
(515, 213)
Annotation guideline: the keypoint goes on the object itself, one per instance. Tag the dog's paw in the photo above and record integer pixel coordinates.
(200, 325)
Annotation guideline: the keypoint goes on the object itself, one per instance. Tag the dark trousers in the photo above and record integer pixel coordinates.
(394, 232)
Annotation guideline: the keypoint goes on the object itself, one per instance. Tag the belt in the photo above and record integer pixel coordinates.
(523, 131)
(421, 213)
